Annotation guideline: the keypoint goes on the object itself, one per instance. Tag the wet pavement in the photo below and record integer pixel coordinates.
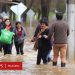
(29, 64)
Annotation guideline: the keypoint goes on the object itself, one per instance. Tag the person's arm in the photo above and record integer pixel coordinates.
(24, 31)
(46, 34)
(51, 31)
(35, 33)
(36, 30)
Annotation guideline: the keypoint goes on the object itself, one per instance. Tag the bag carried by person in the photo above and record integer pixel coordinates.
(6, 36)
(35, 47)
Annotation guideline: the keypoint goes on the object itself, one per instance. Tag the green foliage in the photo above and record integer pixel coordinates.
(61, 7)
(51, 15)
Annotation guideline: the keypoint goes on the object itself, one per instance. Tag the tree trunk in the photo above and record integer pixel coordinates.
(4, 8)
(45, 8)
(24, 15)
(61, 6)
(39, 13)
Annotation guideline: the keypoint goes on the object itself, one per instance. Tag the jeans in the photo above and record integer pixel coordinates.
(7, 48)
(19, 48)
(48, 56)
(42, 54)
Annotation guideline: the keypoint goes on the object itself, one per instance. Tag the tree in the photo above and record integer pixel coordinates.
(45, 8)
(39, 13)
(61, 6)
(28, 8)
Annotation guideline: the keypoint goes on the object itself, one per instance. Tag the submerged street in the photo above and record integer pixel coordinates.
(29, 64)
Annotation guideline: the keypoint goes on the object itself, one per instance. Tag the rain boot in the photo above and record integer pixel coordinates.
(54, 63)
(63, 64)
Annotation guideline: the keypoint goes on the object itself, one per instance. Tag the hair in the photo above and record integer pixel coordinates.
(59, 16)
(45, 21)
(6, 19)
(17, 23)
(9, 20)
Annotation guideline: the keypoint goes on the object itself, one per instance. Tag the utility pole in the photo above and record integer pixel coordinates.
(71, 22)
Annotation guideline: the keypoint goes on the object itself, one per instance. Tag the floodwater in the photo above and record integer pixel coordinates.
(29, 64)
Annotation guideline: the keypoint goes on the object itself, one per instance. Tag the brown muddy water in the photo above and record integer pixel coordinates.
(29, 64)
